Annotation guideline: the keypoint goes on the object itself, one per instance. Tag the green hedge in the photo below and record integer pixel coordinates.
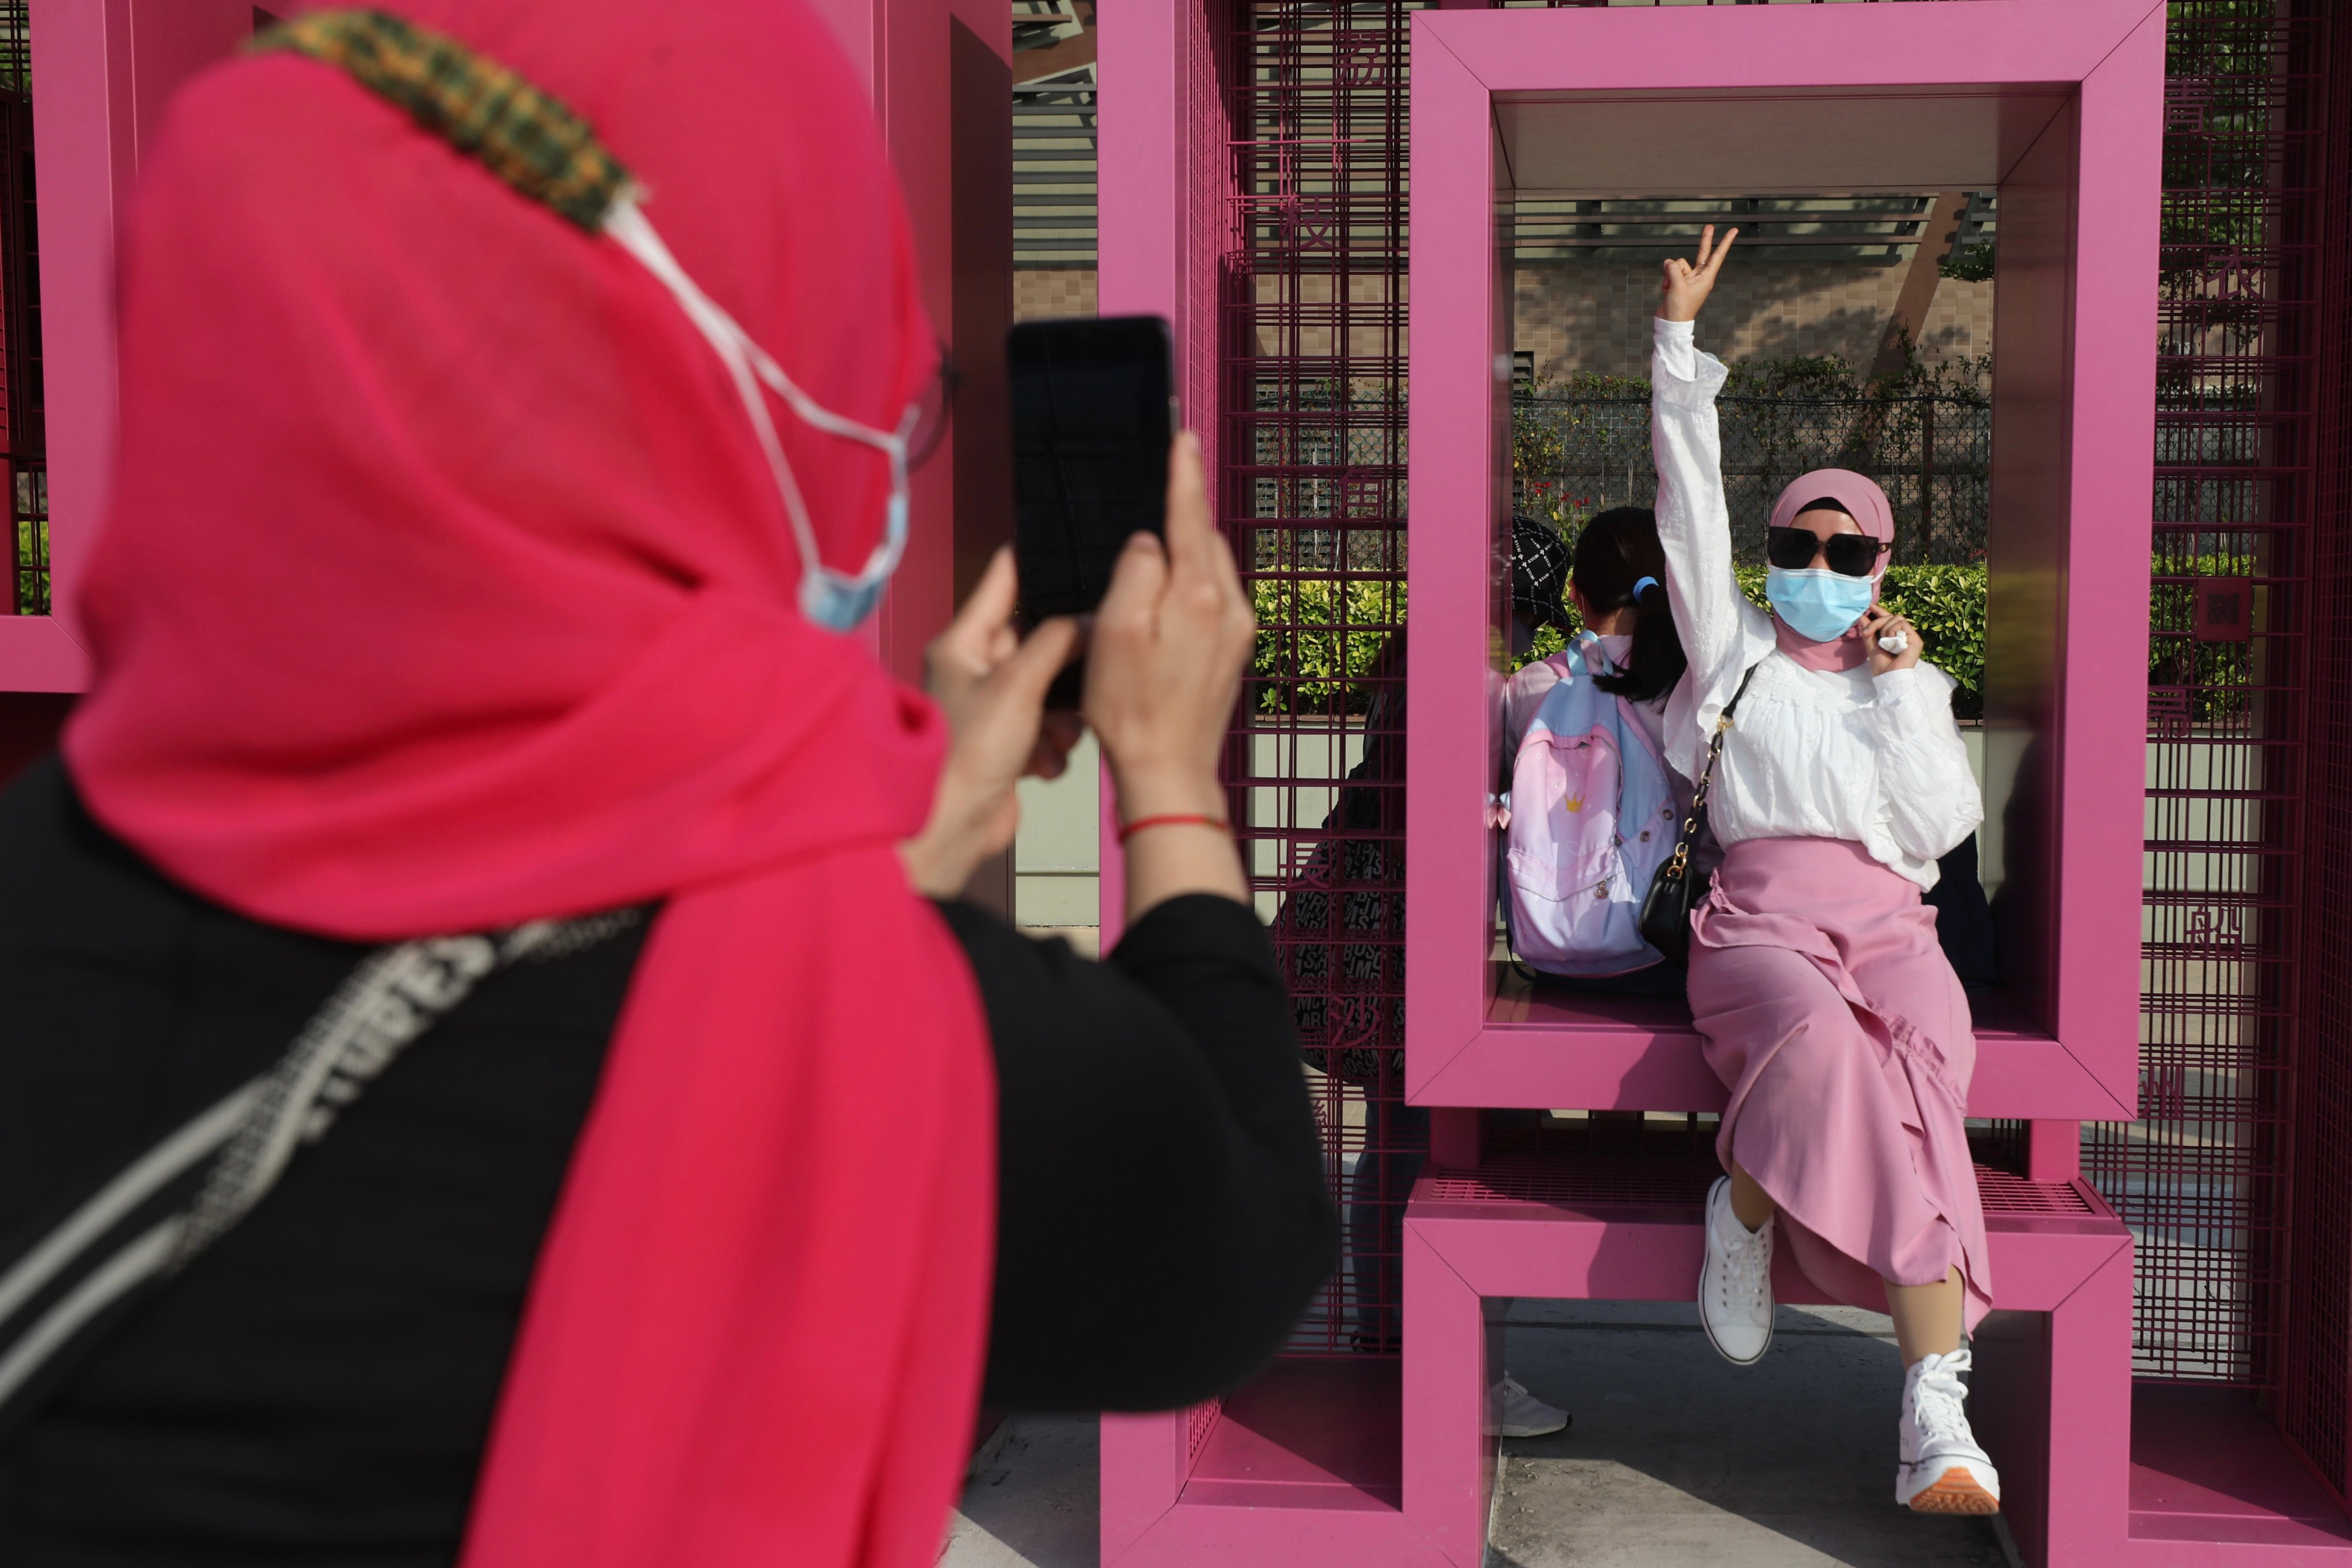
(1316, 641)
(1314, 644)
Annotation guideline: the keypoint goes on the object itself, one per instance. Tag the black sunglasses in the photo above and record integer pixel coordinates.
(1848, 554)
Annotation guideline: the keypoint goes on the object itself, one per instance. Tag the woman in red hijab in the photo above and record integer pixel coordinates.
(483, 861)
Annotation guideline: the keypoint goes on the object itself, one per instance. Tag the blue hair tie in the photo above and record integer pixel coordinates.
(1642, 583)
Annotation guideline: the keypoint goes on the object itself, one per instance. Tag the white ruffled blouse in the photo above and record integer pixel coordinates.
(1877, 761)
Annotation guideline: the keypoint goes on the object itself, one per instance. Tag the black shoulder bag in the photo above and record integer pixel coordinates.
(1666, 907)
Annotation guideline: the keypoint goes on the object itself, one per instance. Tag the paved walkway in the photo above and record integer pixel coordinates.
(1675, 1459)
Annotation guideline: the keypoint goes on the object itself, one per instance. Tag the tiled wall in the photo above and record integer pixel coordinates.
(1052, 291)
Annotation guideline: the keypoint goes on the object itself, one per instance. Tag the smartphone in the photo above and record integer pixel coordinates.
(1094, 410)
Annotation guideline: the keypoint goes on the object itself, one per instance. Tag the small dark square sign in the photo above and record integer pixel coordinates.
(2225, 609)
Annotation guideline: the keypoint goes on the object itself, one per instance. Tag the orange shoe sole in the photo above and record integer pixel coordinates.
(1954, 1491)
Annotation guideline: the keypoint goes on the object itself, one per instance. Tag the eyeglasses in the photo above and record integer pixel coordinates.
(1847, 554)
(933, 405)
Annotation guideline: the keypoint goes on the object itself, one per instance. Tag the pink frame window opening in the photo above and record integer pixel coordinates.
(2057, 107)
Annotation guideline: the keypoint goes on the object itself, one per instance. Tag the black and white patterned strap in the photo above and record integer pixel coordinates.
(191, 1188)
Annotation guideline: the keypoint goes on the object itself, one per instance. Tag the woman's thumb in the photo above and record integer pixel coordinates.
(1137, 582)
(1041, 657)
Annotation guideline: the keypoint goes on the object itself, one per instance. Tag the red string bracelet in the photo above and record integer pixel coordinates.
(1128, 830)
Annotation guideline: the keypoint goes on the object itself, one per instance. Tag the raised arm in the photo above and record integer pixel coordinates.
(1694, 522)
(1722, 633)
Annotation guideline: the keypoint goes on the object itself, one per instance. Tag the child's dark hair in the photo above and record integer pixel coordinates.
(1616, 554)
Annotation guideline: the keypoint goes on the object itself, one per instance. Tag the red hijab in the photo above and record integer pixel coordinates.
(1859, 497)
(444, 587)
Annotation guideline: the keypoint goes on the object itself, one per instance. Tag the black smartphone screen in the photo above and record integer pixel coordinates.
(1093, 414)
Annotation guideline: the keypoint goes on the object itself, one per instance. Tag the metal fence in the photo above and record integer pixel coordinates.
(2205, 1179)
(1932, 456)
(1312, 454)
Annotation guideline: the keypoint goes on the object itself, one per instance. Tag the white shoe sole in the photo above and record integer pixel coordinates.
(1707, 1279)
(1958, 1486)
(1561, 1426)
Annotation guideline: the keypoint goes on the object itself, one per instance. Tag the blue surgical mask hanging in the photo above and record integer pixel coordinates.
(836, 600)
(1819, 605)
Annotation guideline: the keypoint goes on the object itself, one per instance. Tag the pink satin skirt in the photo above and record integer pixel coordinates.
(1832, 1015)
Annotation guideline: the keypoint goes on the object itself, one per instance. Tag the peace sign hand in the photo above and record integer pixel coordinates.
(1688, 283)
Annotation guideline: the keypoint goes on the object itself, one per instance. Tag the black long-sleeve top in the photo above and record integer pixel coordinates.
(318, 1387)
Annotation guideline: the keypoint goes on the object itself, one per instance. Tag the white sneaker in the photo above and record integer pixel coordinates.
(1942, 1470)
(1513, 1412)
(1735, 1283)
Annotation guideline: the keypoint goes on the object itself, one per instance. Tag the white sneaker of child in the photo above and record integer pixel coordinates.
(1735, 1282)
(1515, 1413)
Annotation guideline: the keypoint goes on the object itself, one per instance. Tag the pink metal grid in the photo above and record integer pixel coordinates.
(2316, 1371)
(1313, 483)
(2203, 1178)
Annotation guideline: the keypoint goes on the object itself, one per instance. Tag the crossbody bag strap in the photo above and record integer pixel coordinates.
(176, 1199)
(1696, 817)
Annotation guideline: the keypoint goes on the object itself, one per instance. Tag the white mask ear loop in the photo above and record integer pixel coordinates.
(744, 358)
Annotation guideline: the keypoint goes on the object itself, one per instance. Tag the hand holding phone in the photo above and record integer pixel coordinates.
(1171, 642)
(990, 684)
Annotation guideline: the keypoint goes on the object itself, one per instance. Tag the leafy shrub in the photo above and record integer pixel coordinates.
(1970, 263)
(1947, 605)
(1316, 638)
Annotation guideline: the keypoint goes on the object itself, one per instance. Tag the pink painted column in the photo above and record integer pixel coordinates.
(1458, 497)
(1147, 54)
(1450, 1474)
(941, 74)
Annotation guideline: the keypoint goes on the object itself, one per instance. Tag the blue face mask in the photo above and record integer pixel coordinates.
(1819, 604)
(830, 597)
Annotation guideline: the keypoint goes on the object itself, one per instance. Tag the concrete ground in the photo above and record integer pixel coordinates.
(1030, 1501)
(1675, 1459)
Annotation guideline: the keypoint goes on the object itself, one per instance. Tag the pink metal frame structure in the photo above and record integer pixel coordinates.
(2024, 95)
(2057, 105)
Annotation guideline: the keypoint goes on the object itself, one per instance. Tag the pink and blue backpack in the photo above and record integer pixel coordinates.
(1591, 816)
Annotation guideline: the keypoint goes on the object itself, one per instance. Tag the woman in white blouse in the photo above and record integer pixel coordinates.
(1827, 1005)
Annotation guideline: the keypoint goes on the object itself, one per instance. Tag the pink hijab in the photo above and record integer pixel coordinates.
(444, 587)
(1861, 498)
